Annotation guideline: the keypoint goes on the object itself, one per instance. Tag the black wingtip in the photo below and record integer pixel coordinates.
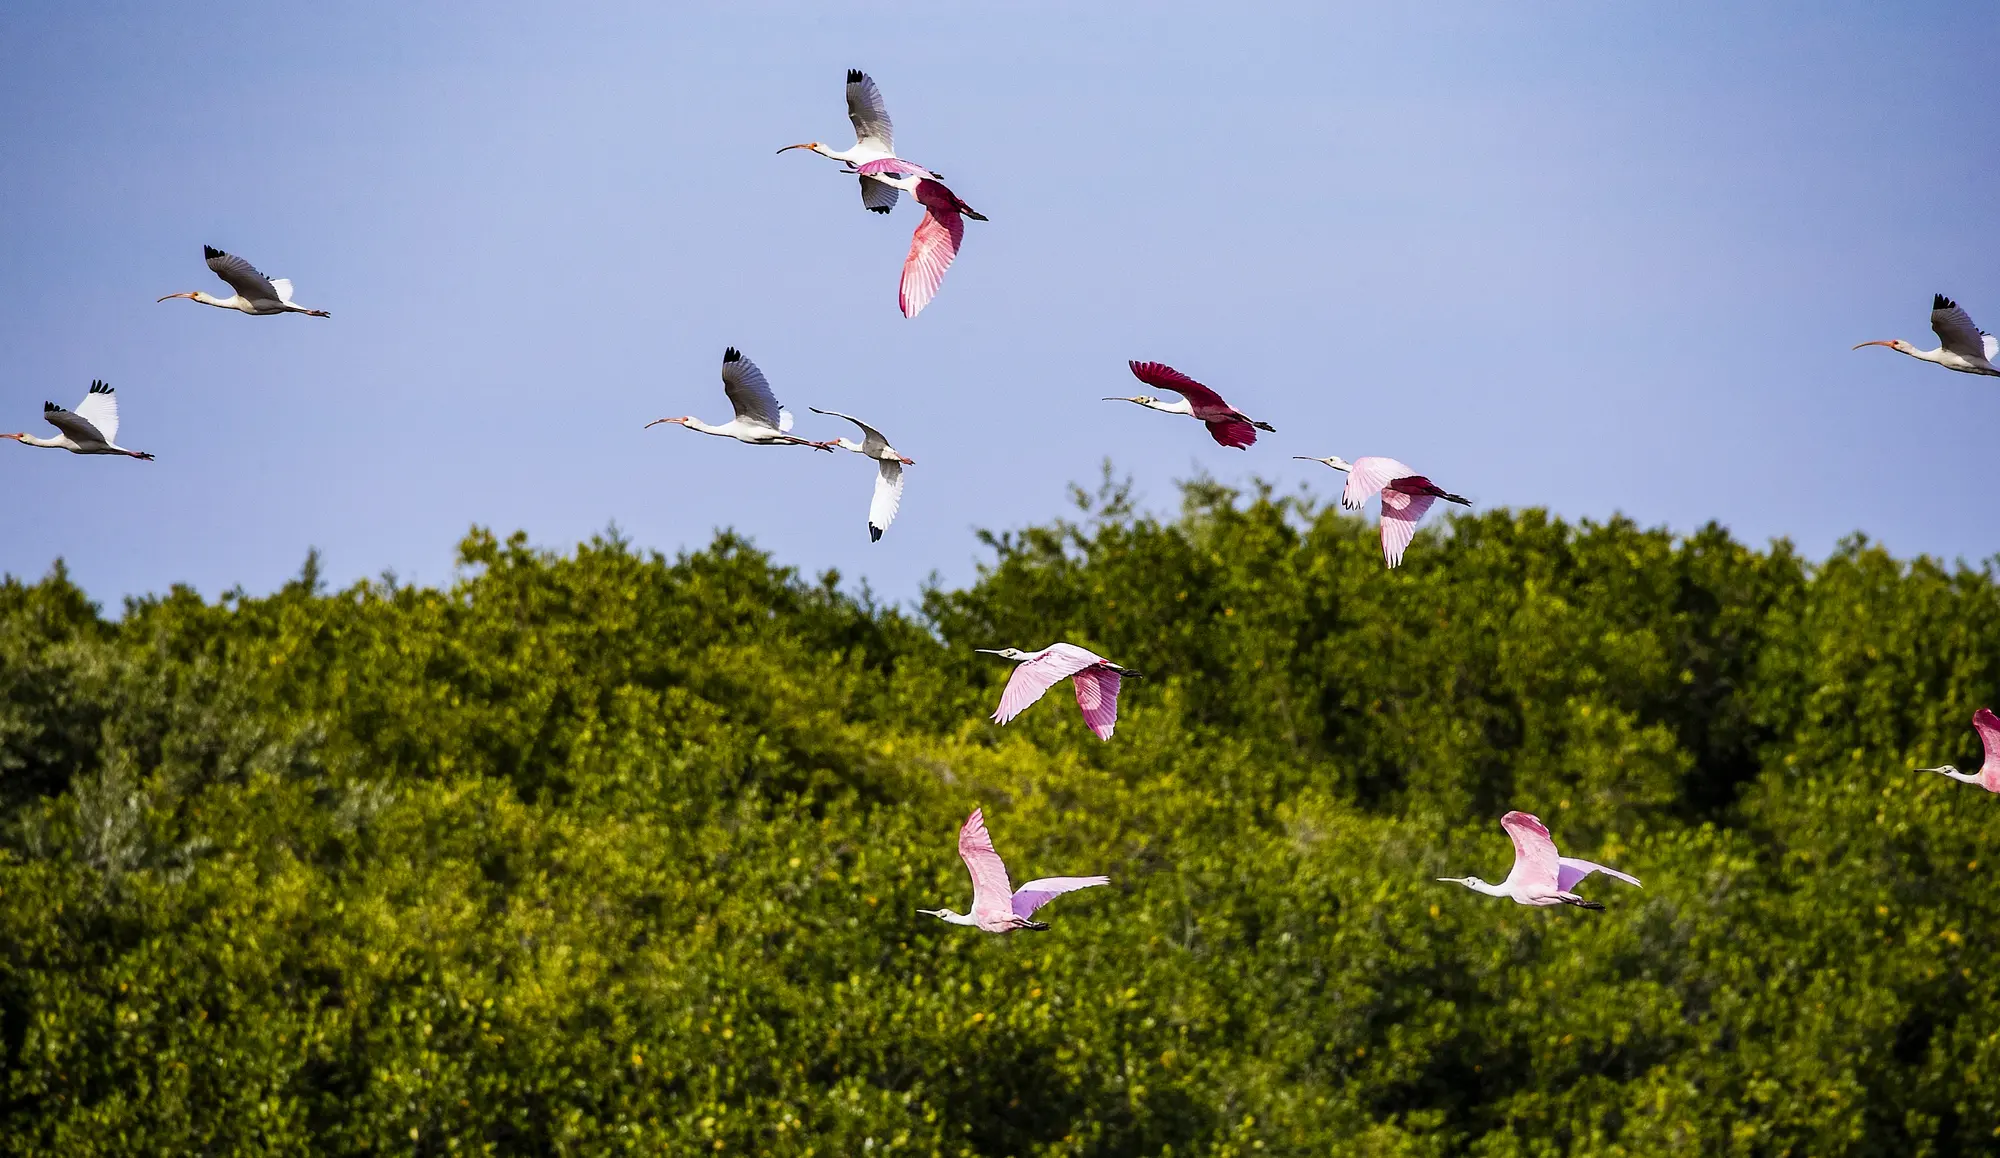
(856, 76)
(874, 533)
(1941, 302)
(48, 406)
(732, 354)
(878, 209)
(210, 253)
(100, 386)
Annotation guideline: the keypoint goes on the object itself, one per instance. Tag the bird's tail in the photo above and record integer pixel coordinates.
(1129, 674)
(1263, 426)
(1579, 902)
(1034, 926)
(1461, 500)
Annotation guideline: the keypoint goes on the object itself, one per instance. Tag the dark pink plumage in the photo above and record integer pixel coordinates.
(1226, 424)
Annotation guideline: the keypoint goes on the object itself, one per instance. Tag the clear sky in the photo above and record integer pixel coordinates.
(1596, 257)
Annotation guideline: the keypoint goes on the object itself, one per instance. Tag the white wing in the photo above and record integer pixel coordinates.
(284, 287)
(100, 409)
(877, 197)
(241, 275)
(784, 420)
(871, 438)
(1992, 347)
(748, 392)
(888, 497)
(1954, 328)
(870, 115)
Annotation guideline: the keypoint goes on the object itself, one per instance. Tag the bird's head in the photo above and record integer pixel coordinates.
(1896, 344)
(815, 146)
(1141, 399)
(940, 914)
(171, 297)
(1003, 652)
(1946, 769)
(1332, 460)
(681, 421)
(1468, 882)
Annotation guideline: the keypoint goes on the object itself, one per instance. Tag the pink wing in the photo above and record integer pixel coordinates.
(893, 167)
(1988, 725)
(1365, 476)
(1233, 432)
(1034, 676)
(1035, 894)
(1400, 513)
(1097, 695)
(990, 890)
(1165, 377)
(1535, 861)
(931, 253)
(1574, 870)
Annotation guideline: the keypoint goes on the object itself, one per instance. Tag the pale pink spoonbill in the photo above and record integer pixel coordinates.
(889, 464)
(759, 420)
(92, 428)
(1540, 877)
(935, 244)
(997, 907)
(1406, 495)
(874, 140)
(255, 293)
(1988, 776)
(1095, 677)
(1226, 424)
(1963, 347)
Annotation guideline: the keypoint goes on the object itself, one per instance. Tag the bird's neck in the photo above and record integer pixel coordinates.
(955, 918)
(1499, 890)
(1181, 407)
(60, 442)
(703, 427)
(232, 302)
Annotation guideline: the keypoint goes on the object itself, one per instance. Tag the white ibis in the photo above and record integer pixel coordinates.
(1963, 347)
(759, 420)
(92, 428)
(889, 466)
(255, 293)
(874, 140)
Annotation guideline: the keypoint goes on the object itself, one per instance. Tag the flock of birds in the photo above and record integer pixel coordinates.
(1540, 876)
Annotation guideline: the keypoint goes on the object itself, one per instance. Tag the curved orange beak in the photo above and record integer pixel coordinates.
(1889, 344)
(807, 145)
(171, 297)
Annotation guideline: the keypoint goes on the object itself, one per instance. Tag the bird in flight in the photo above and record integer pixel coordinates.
(1226, 424)
(1095, 677)
(1540, 877)
(255, 293)
(759, 420)
(889, 466)
(935, 244)
(874, 140)
(1406, 495)
(1963, 346)
(92, 428)
(997, 907)
(1988, 777)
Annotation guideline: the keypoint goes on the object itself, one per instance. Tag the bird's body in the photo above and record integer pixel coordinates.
(1226, 424)
(1540, 876)
(255, 293)
(997, 907)
(1962, 346)
(1096, 679)
(889, 464)
(874, 140)
(92, 428)
(935, 244)
(760, 420)
(1406, 496)
(1988, 777)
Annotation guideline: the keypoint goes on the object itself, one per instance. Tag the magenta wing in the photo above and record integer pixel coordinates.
(990, 891)
(1572, 870)
(1535, 860)
(1400, 513)
(1236, 432)
(932, 250)
(1988, 726)
(1097, 695)
(1164, 377)
(893, 167)
(1035, 894)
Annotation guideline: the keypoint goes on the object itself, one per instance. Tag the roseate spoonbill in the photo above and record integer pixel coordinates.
(935, 243)
(1406, 495)
(1540, 877)
(255, 293)
(759, 420)
(874, 140)
(1226, 424)
(1964, 347)
(889, 466)
(92, 428)
(1988, 776)
(997, 907)
(1095, 677)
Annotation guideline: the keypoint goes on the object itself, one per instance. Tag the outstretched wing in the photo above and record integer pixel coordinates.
(932, 250)
(990, 891)
(241, 275)
(1991, 345)
(1365, 476)
(748, 393)
(1400, 513)
(79, 429)
(888, 497)
(1035, 894)
(871, 438)
(284, 287)
(869, 113)
(1164, 377)
(1988, 726)
(1535, 861)
(1571, 870)
(1097, 695)
(100, 409)
(877, 197)
(1032, 677)
(1954, 328)
(1236, 432)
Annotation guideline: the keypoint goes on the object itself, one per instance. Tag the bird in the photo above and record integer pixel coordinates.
(1988, 776)
(759, 420)
(1406, 495)
(997, 907)
(1226, 424)
(938, 235)
(1964, 347)
(1096, 680)
(92, 428)
(874, 140)
(255, 293)
(1540, 877)
(889, 466)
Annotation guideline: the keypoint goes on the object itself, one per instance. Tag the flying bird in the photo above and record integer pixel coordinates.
(888, 472)
(936, 242)
(1095, 677)
(1540, 877)
(874, 140)
(996, 906)
(759, 420)
(1226, 424)
(1406, 495)
(255, 293)
(1988, 776)
(1964, 347)
(92, 428)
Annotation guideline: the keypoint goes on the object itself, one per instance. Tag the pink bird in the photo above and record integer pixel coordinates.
(1096, 680)
(936, 241)
(1406, 495)
(1226, 424)
(996, 906)
(1988, 776)
(1540, 877)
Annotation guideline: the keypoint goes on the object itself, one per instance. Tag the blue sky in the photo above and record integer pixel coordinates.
(1600, 258)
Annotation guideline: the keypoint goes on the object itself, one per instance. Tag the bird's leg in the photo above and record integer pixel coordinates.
(1579, 902)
